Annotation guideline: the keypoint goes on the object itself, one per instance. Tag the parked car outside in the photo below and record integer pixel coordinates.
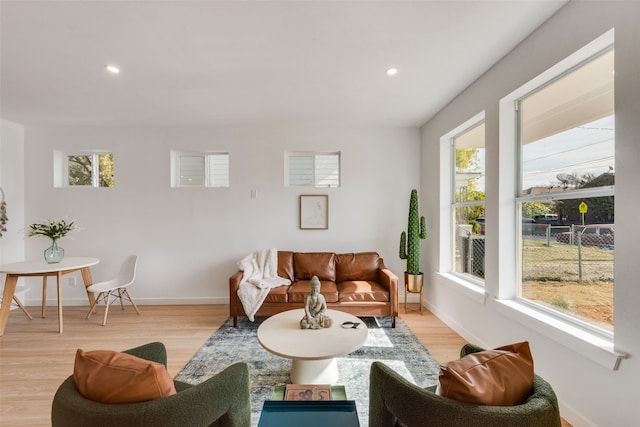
(590, 235)
(546, 219)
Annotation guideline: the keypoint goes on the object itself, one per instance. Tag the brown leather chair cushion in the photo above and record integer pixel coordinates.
(361, 290)
(309, 264)
(359, 266)
(499, 377)
(299, 290)
(285, 265)
(113, 377)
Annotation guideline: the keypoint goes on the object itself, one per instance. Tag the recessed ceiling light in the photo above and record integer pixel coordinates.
(112, 69)
(392, 71)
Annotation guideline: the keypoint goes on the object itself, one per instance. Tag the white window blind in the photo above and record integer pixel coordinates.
(200, 169)
(313, 169)
(218, 170)
(327, 170)
(191, 170)
(300, 170)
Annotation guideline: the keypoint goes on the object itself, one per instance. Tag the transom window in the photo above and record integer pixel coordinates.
(89, 169)
(311, 169)
(190, 169)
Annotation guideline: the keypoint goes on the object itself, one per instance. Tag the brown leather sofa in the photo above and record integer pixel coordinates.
(357, 283)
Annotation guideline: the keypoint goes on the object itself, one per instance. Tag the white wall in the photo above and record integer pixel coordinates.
(12, 244)
(590, 394)
(189, 239)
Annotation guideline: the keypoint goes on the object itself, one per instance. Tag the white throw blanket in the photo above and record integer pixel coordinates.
(260, 274)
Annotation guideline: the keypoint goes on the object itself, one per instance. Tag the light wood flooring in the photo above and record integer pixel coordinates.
(35, 359)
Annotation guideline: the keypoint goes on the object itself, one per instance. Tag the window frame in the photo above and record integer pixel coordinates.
(448, 227)
(595, 342)
(314, 178)
(61, 167)
(176, 168)
(571, 195)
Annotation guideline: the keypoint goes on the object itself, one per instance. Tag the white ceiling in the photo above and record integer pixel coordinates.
(249, 63)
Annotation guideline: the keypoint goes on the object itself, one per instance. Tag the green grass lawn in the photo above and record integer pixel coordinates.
(551, 276)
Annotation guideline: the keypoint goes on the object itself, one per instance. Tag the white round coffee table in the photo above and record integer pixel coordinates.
(312, 351)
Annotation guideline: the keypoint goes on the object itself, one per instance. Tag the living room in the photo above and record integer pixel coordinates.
(190, 239)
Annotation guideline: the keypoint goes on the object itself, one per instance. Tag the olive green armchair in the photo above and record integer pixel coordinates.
(394, 401)
(220, 401)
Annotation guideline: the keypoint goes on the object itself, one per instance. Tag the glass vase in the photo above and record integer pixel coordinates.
(54, 253)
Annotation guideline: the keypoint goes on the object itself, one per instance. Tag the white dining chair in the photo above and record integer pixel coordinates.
(117, 287)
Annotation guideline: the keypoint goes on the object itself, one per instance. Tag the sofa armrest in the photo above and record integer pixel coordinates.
(234, 301)
(234, 281)
(222, 400)
(390, 281)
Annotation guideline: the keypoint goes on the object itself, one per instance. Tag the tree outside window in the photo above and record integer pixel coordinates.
(468, 201)
(91, 170)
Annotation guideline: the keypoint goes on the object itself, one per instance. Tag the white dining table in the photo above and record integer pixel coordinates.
(16, 270)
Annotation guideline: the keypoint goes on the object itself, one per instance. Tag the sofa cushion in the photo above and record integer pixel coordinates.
(357, 266)
(499, 377)
(112, 377)
(309, 264)
(285, 265)
(299, 290)
(278, 294)
(362, 290)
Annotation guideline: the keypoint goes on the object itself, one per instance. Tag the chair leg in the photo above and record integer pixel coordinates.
(106, 307)
(131, 300)
(120, 297)
(93, 305)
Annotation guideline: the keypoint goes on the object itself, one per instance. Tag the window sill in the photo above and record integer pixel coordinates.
(466, 287)
(593, 347)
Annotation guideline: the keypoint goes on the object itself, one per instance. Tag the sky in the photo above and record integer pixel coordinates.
(587, 148)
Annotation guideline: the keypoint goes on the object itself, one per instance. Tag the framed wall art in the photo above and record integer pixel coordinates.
(314, 212)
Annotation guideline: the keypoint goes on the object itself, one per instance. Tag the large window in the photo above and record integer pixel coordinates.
(565, 197)
(192, 169)
(91, 169)
(312, 169)
(468, 199)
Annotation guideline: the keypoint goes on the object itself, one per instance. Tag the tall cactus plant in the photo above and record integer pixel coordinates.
(416, 230)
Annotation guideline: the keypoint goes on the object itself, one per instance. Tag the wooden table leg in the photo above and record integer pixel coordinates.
(44, 296)
(88, 281)
(10, 284)
(59, 277)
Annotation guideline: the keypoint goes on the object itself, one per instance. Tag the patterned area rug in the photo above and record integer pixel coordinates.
(398, 348)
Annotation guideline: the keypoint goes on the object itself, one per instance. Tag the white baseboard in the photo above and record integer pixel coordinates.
(139, 301)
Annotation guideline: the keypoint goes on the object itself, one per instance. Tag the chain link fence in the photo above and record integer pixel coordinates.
(470, 250)
(567, 268)
(571, 269)
(568, 253)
